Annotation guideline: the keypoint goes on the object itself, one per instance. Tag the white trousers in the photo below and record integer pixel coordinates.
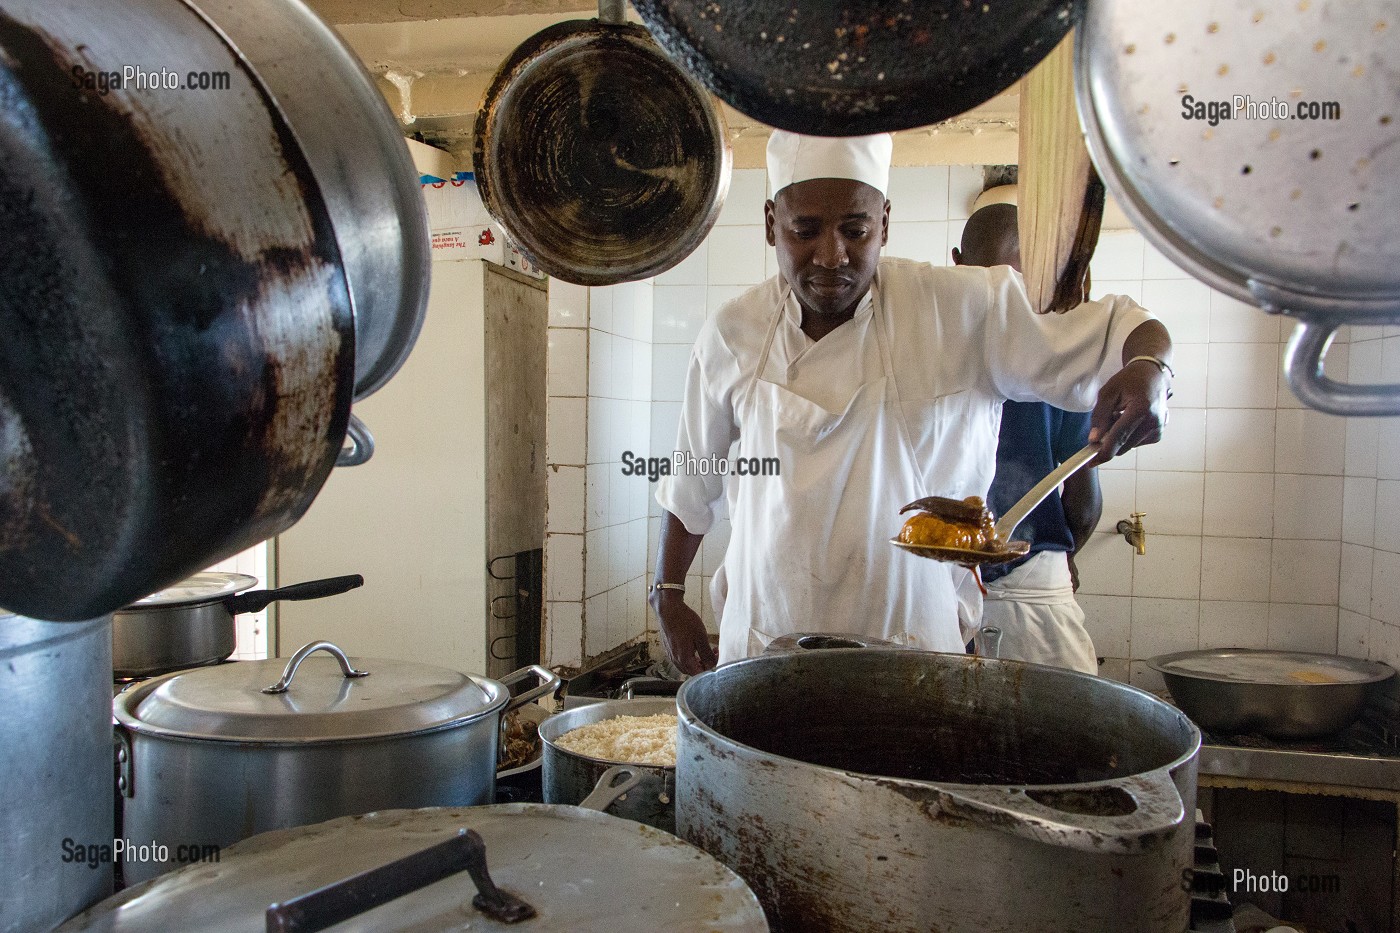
(1040, 622)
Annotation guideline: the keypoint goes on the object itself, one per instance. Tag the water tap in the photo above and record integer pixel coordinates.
(1134, 533)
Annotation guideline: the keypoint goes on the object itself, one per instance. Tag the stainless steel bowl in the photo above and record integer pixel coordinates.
(1281, 694)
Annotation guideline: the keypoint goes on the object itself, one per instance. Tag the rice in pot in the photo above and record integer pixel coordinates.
(638, 740)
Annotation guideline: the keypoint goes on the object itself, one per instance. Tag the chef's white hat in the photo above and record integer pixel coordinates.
(793, 158)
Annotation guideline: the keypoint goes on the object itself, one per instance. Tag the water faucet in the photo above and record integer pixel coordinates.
(1134, 533)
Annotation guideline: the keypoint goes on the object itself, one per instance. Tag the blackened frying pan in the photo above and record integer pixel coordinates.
(846, 69)
(604, 161)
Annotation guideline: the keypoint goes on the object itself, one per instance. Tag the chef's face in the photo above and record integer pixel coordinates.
(829, 232)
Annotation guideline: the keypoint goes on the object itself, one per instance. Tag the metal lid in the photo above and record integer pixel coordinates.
(1257, 666)
(200, 588)
(227, 702)
(580, 869)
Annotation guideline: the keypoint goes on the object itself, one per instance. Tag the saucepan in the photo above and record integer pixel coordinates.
(191, 623)
(1282, 694)
(1256, 146)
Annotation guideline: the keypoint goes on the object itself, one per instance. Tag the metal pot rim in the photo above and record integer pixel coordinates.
(548, 742)
(688, 718)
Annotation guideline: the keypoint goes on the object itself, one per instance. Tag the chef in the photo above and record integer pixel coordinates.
(860, 384)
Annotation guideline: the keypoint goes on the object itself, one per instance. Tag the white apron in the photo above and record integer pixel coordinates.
(1040, 622)
(809, 550)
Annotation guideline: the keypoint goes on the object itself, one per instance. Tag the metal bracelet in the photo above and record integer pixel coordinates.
(1160, 364)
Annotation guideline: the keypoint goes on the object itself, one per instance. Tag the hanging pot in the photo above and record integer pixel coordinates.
(1296, 212)
(575, 868)
(191, 623)
(179, 352)
(863, 66)
(216, 754)
(605, 162)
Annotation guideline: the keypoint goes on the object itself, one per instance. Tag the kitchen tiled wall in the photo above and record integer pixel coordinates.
(1268, 524)
(250, 628)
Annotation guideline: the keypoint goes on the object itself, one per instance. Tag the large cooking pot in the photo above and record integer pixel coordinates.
(577, 869)
(178, 358)
(569, 777)
(191, 623)
(604, 161)
(878, 790)
(216, 754)
(859, 66)
(1292, 205)
(56, 769)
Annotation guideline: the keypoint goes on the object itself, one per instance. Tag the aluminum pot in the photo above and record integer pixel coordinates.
(880, 790)
(56, 768)
(216, 754)
(570, 777)
(576, 868)
(191, 623)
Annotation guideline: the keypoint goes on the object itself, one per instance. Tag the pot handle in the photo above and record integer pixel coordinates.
(1318, 321)
(361, 446)
(303, 652)
(1133, 815)
(606, 792)
(258, 600)
(549, 682)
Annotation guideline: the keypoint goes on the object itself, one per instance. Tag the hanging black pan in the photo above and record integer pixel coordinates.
(846, 69)
(604, 161)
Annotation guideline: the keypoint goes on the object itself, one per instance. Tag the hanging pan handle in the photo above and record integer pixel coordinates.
(258, 600)
(1318, 321)
(361, 446)
(290, 670)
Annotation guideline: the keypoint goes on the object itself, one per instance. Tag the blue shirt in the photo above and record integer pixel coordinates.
(1034, 439)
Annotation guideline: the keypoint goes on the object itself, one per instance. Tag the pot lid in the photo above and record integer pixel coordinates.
(581, 870)
(227, 702)
(200, 588)
(1281, 668)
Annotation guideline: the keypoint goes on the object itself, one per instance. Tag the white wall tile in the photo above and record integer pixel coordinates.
(599, 441)
(1240, 440)
(1358, 563)
(596, 491)
(919, 192)
(1115, 669)
(692, 270)
(1183, 444)
(637, 546)
(641, 371)
(566, 436)
(748, 189)
(1305, 572)
(637, 608)
(1118, 256)
(646, 298)
(565, 488)
(1388, 515)
(621, 376)
(1353, 634)
(665, 420)
(1234, 625)
(925, 241)
(1145, 678)
(618, 616)
(620, 492)
(597, 562)
(568, 304)
(677, 313)
(1190, 361)
(1310, 442)
(1170, 569)
(1109, 622)
(1363, 440)
(619, 550)
(563, 567)
(1234, 321)
(1388, 448)
(600, 308)
(1307, 506)
(1366, 357)
(1161, 626)
(1157, 266)
(624, 310)
(1384, 643)
(1239, 505)
(1105, 566)
(1183, 305)
(964, 185)
(1124, 461)
(1359, 511)
(595, 625)
(1303, 628)
(566, 362)
(736, 255)
(670, 362)
(564, 630)
(1242, 375)
(1236, 569)
(1119, 489)
(1172, 501)
(1385, 587)
(600, 364)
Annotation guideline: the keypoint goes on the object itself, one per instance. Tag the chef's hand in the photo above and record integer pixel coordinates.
(1131, 410)
(683, 633)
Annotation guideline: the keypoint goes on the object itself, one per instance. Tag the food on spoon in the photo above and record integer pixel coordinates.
(967, 525)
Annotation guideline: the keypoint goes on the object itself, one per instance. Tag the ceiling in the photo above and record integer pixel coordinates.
(433, 60)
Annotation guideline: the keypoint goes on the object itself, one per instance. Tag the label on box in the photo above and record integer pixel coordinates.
(461, 227)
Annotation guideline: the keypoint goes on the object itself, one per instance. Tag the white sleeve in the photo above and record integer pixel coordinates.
(1063, 359)
(707, 429)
